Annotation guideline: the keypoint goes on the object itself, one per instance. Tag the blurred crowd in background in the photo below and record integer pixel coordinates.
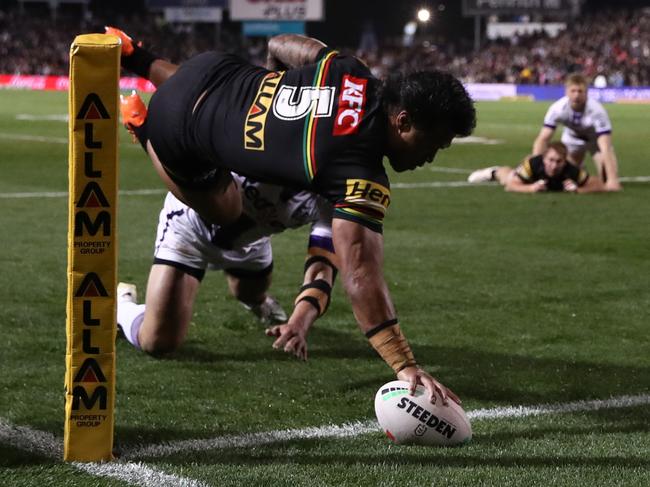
(613, 47)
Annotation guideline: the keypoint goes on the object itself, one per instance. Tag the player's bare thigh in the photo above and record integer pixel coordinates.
(219, 205)
(577, 157)
(169, 303)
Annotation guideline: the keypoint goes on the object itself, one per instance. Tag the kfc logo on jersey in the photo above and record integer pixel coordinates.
(352, 102)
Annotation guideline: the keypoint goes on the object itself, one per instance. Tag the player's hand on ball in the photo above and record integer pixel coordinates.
(291, 338)
(415, 376)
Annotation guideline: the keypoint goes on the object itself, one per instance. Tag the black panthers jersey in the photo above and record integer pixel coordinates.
(532, 169)
(319, 127)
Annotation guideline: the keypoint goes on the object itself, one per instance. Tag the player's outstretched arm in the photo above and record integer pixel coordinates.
(543, 138)
(360, 252)
(311, 303)
(292, 51)
(592, 185)
(514, 184)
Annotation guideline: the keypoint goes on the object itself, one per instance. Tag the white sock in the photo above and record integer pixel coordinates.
(130, 317)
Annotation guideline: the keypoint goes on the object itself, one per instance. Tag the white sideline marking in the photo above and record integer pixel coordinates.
(462, 184)
(475, 139)
(429, 184)
(435, 184)
(49, 446)
(451, 170)
(354, 429)
(63, 117)
(34, 138)
(635, 179)
(46, 139)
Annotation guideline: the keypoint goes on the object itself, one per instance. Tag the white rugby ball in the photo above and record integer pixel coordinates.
(413, 420)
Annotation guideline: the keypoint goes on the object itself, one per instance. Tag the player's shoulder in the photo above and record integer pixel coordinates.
(560, 104)
(595, 106)
(345, 61)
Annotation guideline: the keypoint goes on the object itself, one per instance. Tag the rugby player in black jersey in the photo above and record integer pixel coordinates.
(315, 120)
(549, 171)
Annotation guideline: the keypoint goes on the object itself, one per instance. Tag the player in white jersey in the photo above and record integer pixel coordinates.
(186, 246)
(587, 128)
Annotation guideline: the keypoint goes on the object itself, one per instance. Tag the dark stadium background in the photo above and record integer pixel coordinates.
(344, 19)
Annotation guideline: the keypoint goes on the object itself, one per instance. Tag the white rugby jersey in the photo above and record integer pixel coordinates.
(267, 209)
(587, 125)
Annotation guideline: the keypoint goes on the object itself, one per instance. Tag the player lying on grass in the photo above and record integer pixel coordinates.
(587, 128)
(550, 171)
(186, 246)
(314, 120)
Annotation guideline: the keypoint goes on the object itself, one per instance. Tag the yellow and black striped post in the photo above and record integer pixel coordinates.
(92, 248)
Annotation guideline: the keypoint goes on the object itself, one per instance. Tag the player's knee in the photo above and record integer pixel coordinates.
(160, 344)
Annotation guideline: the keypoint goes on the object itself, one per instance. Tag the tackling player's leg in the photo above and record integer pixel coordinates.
(252, 293)
(159, 326)
(129, 313)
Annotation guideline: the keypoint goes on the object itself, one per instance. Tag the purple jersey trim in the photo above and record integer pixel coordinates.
(604, 132)
(549, 125)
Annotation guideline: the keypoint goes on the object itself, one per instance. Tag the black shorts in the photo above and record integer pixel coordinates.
(169, 125)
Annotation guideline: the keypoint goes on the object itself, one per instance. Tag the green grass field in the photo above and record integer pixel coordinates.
(510, 300)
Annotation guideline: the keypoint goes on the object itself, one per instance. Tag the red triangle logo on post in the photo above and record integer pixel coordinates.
(92, 196)
(89, 376)
(91, 286)
(92, 113)
(91, 291)
(92, 108)
(90, 371)
(92, 201)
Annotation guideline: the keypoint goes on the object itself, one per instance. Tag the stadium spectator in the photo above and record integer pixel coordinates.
(199, 107)
(614, 44)
(587, 128)
(549, 171)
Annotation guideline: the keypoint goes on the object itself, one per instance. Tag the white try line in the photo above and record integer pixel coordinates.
(49, 446)
(359, 428)
(137, 473)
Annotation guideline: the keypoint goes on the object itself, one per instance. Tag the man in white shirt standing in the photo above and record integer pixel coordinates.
(587, 128)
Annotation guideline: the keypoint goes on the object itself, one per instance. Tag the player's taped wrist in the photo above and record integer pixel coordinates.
(139, 62)
(318, 292)
(391, 345)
